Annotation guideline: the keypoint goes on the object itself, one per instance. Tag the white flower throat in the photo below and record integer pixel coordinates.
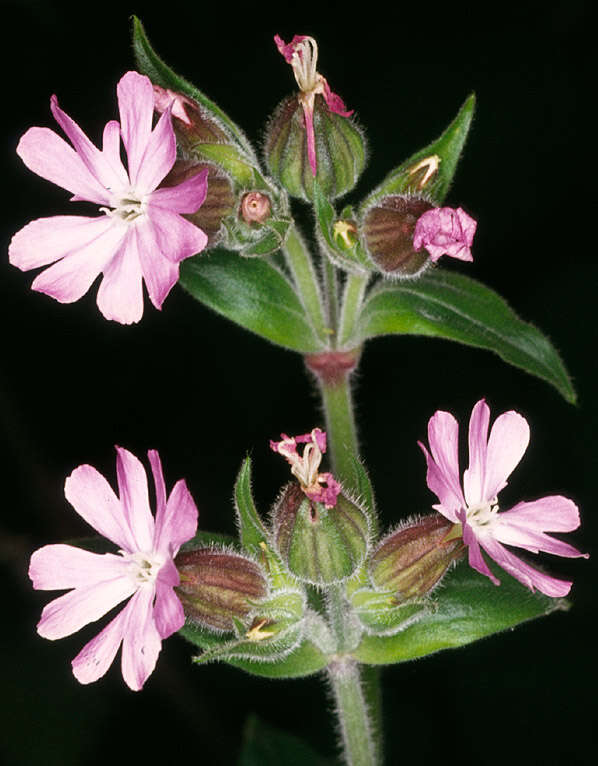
(483, 515)
(144, 567)
(128, 206)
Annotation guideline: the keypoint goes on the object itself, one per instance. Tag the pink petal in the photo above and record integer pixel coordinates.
(186, 197)
(437, 483)
(133, 493)
(179, 522)
(334, 102)
(71, 277)
(159, 273)
(95, 658)
(55, 567)
(168, 611)
(141, 641)
(287, 49)
(111, 152)
(48, 155)
(525, 526)
(508, 441)
(93, 159)
(174, 237)
(474, 476)
(160, 487)
(527, 575)
(158, 157)
(94, 500)
(136, 106)
(70, 612)
(476, 560)
(443, 469)
(120, 296)
(549, 514)
(46, 240)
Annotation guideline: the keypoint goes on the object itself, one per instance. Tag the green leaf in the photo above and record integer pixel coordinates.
(447, 148)
(442, 304)
(151, 64)
(251, 528)
(254, 294)
(362, 486)
(468, 607)
(263, 745)
(305, 660)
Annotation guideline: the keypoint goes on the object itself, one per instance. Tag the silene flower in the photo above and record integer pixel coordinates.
(474, 504)
(302, 54)
(445, 231)
(140, 234)
(320, 487)
(142, 571)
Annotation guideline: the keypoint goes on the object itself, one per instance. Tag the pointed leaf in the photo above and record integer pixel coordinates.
(161, 74)
(263, 745)
(442, 304)
(254, 294)
(447, 149)
(251, 529)
(468, 607)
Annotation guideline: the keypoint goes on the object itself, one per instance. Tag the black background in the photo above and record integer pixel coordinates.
(204, 391)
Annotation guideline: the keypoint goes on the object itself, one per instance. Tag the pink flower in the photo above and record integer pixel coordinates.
(320, 487)
(302, 54)
(140, 234)
(491, 460)
(444, 231)
(143, 570)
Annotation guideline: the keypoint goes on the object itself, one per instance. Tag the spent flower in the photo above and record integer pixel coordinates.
(320, 487)
(141, 234)
(474, 503)
(302, 54)
(445, 231)
(142, 571)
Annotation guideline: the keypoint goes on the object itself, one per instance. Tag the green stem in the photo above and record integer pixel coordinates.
(306, 281)
(340, 427)
(352, 299)
(352, 713)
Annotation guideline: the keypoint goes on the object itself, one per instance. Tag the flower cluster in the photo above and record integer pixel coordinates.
(143, 570)
(141, 234)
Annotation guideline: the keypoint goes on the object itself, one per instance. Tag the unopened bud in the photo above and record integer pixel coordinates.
(388, 231)
(255, 207)
(219, 586)
(412, 560)
(319, 545)
(220, 199)
(335, 159)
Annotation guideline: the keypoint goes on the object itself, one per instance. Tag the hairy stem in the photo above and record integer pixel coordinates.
(352, 299)
(307, 283)
(352, 713)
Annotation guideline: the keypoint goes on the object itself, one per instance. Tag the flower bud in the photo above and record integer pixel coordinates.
(255, 207)
(218, 586)
(388, 230)
(220, 200)
(191, 122)
(412, 560)
(337, 156)
(320, 545)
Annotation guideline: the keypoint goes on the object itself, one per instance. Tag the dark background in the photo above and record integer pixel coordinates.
(204, 391)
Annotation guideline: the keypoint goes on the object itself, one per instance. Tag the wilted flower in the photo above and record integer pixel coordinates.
(143, 570)
(302, 54)
(445, 231)
(320, 487)
(141, 235)
(475, 507)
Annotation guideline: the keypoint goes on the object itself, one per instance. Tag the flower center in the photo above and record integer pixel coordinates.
(127, 208)
(482, 515)
(144, 567)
